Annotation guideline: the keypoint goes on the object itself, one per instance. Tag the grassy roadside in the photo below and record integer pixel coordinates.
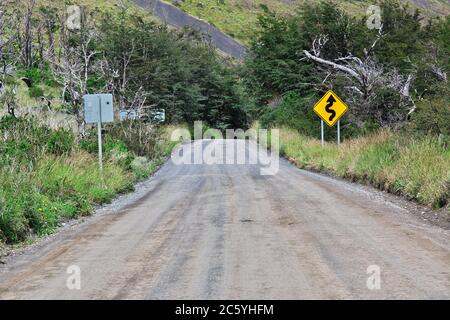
(418, 169)
(47, 177)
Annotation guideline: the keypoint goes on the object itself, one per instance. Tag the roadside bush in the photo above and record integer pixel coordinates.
(294, 112)
(35, 92)
(60, 141)
(24, 140)
(41, 75)
(43, 214)
(432, 116)
(140, 138)
(15, 191)
(377, 156)
(78, 179)
(141, 167)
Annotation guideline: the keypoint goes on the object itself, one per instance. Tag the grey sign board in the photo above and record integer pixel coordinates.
(128, 115)
(158, 116)
(98, 108)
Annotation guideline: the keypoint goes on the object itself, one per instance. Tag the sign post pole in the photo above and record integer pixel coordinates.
(99, 128)
(322, 135)
(339, 132)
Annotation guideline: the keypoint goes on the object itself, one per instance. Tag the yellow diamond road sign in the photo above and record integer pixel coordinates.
(330, 108)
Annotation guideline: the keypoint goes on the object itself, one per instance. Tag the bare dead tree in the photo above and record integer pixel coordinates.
(125, 63)
(73, 73)
(439, 72)
(8, 58)
(27, 45)
(40, 43)
(8, 22)
(49, 23)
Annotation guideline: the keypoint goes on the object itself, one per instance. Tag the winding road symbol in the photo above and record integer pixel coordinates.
(331, 100)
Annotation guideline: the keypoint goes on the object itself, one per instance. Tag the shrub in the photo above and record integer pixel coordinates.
(43, 214)
(78, 179)
(15, 192)
(35, 92)
(294, 112)
(141, 167)
(24, 140)
(432, 116)
(60, 141)
(139, 137)
(38, 75)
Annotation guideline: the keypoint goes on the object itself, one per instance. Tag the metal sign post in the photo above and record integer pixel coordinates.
(339, 132)
(322, 135)
(99, 133)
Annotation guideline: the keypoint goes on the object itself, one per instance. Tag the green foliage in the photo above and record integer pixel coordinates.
(179, 72)
(79, 180)
(294, 112)
(60, 142)
(142, 167)
(24, 140)
(240, 18)
(443, 45)
(14, 198)
(277, 67)
(273, 65)
(41, 75)
(402, 44)
(432, 116)
(35, 92)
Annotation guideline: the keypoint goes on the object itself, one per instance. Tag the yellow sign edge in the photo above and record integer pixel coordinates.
(346, 108)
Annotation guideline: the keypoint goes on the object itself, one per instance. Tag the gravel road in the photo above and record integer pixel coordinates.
(227, 232)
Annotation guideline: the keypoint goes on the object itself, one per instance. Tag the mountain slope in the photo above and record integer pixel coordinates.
(238, 18)
(176, 17)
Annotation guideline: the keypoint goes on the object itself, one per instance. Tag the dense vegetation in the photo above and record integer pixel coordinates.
(117, 50)
(174, 71)
(393, 77)
(397, 131)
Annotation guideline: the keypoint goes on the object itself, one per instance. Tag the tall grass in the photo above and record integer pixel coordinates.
(46, 177)
(417, 168)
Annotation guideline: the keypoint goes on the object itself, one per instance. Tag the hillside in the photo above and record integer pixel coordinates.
(238, 18)
(226, 21)
(175, 17)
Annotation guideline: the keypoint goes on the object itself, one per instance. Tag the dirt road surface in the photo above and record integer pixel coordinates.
(227, 232)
